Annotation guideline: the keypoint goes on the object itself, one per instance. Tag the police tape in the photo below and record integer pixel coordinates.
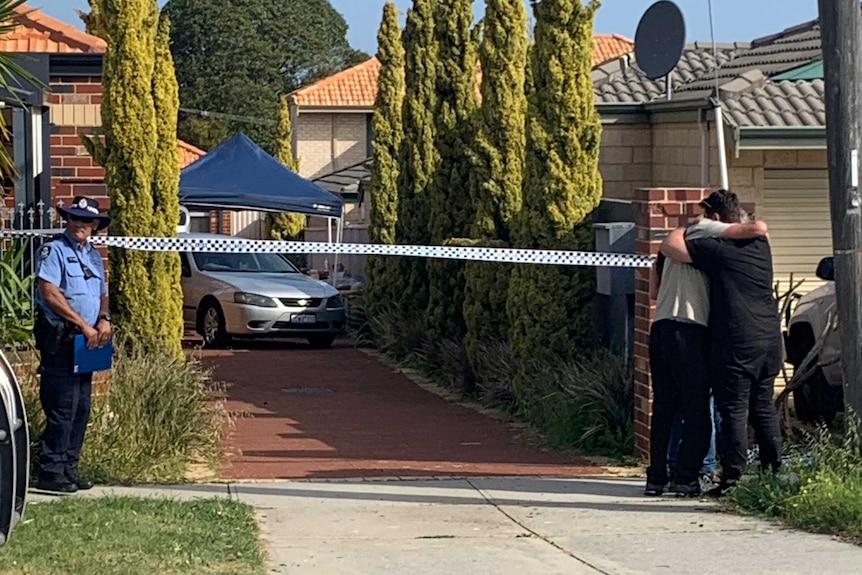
(484, 254)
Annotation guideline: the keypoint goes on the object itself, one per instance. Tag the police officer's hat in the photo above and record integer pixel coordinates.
(83, 207)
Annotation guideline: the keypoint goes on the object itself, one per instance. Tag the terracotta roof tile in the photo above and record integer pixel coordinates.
(38, 32)
(188, 153)
(356, 87)
(610, 46)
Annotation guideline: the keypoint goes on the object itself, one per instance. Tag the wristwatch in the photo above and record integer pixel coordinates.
(106, 317)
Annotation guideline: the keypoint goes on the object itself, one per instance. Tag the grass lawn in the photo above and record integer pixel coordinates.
(131, 536)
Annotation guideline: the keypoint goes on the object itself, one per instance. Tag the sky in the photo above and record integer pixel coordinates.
(735, 20)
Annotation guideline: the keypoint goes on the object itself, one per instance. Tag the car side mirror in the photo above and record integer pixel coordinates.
(185, 267)
(826, 269)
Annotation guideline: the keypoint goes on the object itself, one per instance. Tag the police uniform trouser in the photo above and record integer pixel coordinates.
(678, 366)
(744, 388)
(65, 399)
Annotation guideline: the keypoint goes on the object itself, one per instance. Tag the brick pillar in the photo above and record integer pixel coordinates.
(657, 211)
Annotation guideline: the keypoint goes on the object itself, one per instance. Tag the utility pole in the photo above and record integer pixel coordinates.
(841, 37)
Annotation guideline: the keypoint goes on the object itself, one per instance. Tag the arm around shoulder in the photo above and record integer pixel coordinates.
(748, 231)
(674, 246)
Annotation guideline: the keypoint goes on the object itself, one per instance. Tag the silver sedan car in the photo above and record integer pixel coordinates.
(248, 295)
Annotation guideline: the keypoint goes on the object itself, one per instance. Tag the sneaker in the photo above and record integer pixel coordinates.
(686, 489)
(654, 489)
(707, 481)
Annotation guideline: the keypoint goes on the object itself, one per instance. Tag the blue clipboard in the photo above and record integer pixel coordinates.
(89, 360)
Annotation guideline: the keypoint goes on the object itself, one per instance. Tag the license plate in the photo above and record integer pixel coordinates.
(303, 318)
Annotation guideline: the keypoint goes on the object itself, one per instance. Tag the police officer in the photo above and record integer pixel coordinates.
(71, 299)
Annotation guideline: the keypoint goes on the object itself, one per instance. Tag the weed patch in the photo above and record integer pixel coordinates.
(819, 490)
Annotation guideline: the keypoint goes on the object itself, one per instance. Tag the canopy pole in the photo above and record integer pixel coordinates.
(339, 238)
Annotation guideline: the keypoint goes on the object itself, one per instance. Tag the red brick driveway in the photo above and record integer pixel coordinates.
(339, 413)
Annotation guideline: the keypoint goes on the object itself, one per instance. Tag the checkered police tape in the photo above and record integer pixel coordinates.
(242, 245)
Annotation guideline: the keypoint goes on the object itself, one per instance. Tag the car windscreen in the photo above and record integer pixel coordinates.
(251, 263)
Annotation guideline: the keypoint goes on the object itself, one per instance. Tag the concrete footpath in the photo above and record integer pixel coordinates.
(510, 525)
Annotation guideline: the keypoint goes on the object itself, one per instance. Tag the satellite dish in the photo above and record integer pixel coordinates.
(659, 39)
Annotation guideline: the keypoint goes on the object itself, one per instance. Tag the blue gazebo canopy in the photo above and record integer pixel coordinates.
(238, 174)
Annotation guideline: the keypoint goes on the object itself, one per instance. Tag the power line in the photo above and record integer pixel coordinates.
(233, 117)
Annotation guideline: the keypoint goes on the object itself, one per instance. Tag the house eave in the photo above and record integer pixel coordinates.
(622, 113)
(76, 64)
(782, 137)
(300, 109)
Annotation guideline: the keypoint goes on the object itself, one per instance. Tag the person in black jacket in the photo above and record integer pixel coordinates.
(745, 344)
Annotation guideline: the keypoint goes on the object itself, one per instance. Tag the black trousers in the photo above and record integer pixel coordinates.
(680, 383)
(65, 399)
(744, 389)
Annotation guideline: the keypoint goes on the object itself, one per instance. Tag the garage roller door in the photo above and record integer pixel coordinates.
(796, 208)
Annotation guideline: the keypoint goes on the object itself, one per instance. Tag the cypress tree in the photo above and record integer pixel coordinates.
(380, 271)
(550, 307)
(129, 153)
(450, 206)
(168, 313)
(285, 226)
(140, 157)
(498, 173)
(418, 156)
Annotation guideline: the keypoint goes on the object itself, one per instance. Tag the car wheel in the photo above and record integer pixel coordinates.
(816, 401)
(321, 340)
(212, 326)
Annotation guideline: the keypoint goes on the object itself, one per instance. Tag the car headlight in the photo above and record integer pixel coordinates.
(334, 302)
(253, 299)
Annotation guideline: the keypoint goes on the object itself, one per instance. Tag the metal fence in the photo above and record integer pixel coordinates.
(18, 253)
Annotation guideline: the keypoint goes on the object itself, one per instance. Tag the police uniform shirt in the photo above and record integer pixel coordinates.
(77, 271)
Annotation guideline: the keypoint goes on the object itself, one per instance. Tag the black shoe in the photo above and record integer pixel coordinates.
(686, 489)
(56, 486)
(653, 489)
(83, 484)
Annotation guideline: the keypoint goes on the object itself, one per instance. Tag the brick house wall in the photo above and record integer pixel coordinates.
(75, 111)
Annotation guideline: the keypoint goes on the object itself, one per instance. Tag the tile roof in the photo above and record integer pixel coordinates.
(38, 32)
(750, 77)
(779, 104)
(353, 87)
(188, 153)
(356, 87)
(622, 81)
(610, 46)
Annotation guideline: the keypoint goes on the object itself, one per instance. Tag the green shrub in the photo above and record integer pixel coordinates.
(495, 368)
(586, 404)
(819, 489)
(156, 417)
(398, 337)
(16, 302)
